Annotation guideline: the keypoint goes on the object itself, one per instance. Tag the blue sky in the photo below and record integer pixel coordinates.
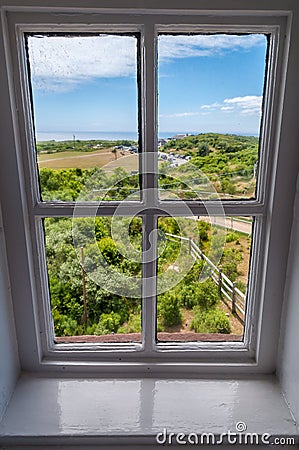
(205, 83)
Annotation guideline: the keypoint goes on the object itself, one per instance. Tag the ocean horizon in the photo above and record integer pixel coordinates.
(114, 135)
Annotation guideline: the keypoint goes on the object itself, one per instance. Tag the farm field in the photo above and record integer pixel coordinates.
(98, 158)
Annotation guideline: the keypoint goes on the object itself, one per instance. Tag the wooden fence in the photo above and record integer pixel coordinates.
(228, 292)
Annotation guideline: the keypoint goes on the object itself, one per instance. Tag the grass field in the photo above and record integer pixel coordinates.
(99, 158)
(128, 162)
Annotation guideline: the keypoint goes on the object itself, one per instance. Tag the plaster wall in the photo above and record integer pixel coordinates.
(288, 358)
(9, 364)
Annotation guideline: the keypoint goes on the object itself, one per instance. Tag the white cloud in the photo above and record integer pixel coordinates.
(211, 106)
(227, 108)
(247, 105)
(184, 46)
(60, 63)
(183, 114)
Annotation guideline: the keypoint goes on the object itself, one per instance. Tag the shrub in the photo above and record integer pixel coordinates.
(169, 225)
(64, 325)
(108, 323)
(100, 228)
(90, 329)
(187, 296)
(227, 186)
(169, 310)
(132, 326)
(194, 273)
(203, 229)
(231, 237)
(210, 321)
(190, 292)
(99, 330)
(135, 226)
(109, 251)
(229, 262)
(206, 294)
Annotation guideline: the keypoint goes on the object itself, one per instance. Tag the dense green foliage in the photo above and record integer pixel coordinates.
(105, 310)
(226, 159)
(110, 313)
(210, 321)
(86, 184)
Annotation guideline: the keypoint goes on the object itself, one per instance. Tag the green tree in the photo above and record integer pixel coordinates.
(110, 251)
(108, 323)
(203, 149)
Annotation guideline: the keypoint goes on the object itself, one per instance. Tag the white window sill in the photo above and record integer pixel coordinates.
(89, 411)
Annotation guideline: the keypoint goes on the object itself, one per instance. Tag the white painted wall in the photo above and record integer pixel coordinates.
(9, 363)
(288, 369)
(9, 359)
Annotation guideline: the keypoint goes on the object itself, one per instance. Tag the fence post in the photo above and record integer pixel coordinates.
(85, 316)
(234, 298)
(220, 282)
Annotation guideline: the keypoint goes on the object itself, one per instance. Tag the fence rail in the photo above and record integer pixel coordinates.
(228, 292)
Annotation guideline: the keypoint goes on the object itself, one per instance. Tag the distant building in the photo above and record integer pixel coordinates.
(162, 142)
(179, 136)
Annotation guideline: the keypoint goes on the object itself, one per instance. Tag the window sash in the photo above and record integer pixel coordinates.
(20, 23)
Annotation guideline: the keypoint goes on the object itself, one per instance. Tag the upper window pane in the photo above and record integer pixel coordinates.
(210, 108)
(85, 106)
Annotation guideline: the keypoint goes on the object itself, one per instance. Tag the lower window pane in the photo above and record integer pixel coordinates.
(94, 271)
(203, 270)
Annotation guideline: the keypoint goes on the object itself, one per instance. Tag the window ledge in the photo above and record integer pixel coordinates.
(76, 411)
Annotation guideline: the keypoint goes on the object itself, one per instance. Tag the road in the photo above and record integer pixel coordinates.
(233, 223)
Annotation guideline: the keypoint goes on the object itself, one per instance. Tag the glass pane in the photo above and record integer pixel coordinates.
(85, 106)
(203, 270)
(94, 270)
(210, 108)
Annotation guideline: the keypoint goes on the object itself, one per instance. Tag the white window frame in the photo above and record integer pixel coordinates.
(257, 352)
